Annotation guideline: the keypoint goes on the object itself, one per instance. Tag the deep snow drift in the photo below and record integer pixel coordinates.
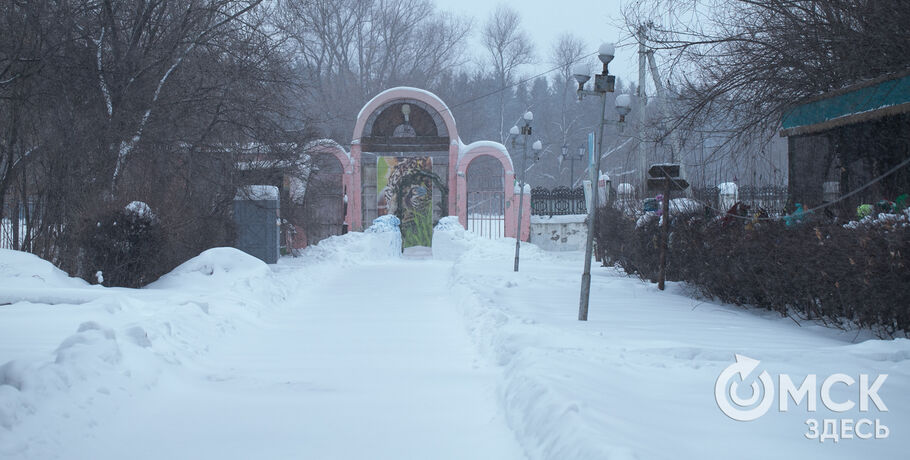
(350, 351)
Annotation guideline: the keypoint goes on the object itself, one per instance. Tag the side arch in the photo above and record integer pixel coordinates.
(499, 152)
(350, 180)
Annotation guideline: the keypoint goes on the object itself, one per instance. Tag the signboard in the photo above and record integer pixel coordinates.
(659, 184)
(662, 170)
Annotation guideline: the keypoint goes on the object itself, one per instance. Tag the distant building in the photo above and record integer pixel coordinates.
(841, 140)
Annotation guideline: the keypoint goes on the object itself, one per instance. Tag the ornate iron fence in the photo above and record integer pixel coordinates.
(770, 198)
(558, 201)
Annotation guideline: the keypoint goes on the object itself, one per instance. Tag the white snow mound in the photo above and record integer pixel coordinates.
(23, 270)
(213, 268)
(381, 241)
(449, 239)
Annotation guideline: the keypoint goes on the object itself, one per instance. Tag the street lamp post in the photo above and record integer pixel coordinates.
(603, 83)
(565, 156)
(525, 131)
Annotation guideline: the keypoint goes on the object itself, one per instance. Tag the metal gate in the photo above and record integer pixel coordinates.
(324, 206)
(486, 197)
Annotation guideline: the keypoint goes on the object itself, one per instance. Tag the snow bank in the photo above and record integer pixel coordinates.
(23, 270)
(213, 269)
(72, 360)
(381, 241)
(450, 240)
(645, 364)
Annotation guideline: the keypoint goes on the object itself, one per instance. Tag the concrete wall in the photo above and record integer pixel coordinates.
(559, 233)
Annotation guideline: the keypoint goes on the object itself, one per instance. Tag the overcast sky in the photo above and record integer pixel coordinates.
(544, 20)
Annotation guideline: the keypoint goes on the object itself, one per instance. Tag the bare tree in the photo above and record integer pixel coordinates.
(352, 49)
(737, 65)
(568, 52)
(508, 48)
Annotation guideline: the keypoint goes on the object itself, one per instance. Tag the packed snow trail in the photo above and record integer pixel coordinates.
(351, 351)
(374, 362)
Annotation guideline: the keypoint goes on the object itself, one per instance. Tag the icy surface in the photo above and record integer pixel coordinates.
(352, 352)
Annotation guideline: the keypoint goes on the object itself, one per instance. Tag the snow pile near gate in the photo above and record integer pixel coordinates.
(381, 241)
(23, 270)
(80, 352)
(450, 239)
(213, 269)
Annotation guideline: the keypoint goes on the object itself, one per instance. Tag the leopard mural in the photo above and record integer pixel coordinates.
(400, 176)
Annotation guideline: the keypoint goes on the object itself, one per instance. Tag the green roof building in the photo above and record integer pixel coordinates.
(842, 140)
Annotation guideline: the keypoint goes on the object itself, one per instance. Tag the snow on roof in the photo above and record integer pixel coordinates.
(465, 149)
(327, 143)
(257, 192)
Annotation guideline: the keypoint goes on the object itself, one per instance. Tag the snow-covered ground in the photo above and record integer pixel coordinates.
(352, 352)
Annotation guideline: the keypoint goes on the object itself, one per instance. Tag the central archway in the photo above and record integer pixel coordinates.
(403, 126)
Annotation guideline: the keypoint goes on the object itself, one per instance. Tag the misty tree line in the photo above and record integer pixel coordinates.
(104, 102)
(107, 102)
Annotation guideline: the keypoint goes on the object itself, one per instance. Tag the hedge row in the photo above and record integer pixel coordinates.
(845, 275)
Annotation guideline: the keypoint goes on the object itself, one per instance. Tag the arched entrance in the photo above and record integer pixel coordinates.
(324, 204)
(485, 178)
(402, 127)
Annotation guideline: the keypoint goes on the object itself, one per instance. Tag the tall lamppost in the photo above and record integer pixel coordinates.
(525, 131)
(603, 83)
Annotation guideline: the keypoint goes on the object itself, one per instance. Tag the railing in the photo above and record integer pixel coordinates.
(769, 198)
(486, 213)
(559, 201)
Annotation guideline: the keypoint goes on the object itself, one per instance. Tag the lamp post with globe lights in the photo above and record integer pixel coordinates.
(603, 83)
(572, 159)
(524, 131)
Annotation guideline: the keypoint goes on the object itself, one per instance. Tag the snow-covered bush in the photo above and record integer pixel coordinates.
(125, 246)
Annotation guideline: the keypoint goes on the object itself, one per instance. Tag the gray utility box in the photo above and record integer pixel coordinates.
(256, 217)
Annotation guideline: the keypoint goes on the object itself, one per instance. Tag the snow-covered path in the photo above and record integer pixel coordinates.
(374, 362)
(352, 352)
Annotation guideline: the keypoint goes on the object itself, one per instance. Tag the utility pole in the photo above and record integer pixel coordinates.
(642, 102)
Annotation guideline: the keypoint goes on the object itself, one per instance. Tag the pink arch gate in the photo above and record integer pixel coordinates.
(410, 126)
